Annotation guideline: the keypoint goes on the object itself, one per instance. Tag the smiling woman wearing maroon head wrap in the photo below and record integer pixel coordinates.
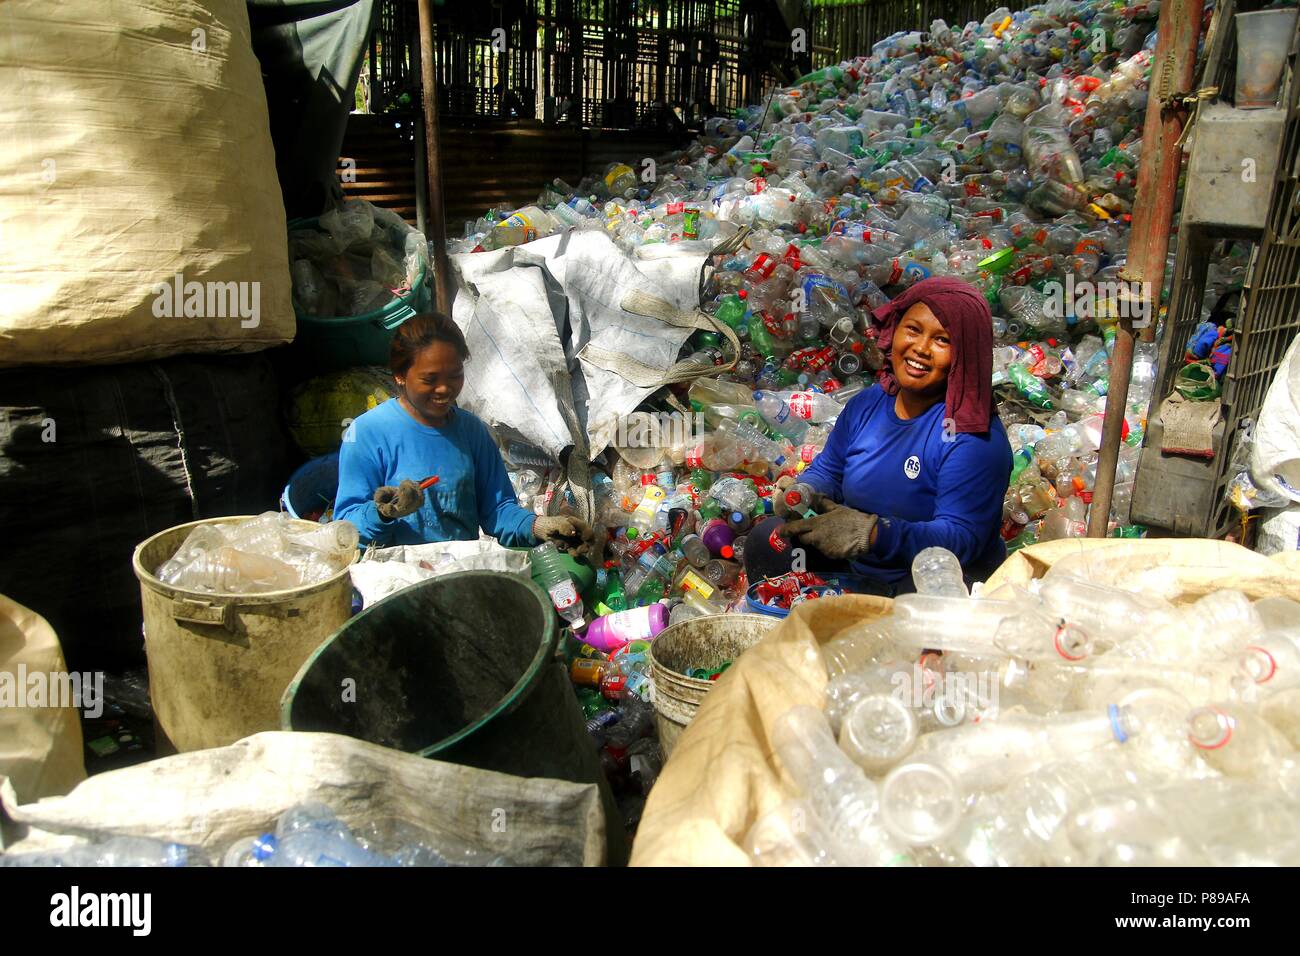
(919, 460)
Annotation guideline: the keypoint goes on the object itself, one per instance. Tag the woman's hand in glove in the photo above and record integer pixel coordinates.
(839, 533)
(393, 503)
(566, 533)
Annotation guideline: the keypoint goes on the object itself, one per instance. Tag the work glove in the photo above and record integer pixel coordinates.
(393, 503)
(839, 533)
(566, 533)
(782, 510)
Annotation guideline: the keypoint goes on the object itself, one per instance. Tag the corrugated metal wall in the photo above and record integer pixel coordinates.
(502, 166)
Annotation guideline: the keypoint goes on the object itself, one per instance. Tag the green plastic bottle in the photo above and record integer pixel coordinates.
(731, 311)
(612, 594)
(759, 336)
(1030, 386)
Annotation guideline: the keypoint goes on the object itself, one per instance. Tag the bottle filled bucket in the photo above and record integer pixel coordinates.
(219, 662)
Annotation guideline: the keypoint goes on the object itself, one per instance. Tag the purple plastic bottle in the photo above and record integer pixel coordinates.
(716, 535)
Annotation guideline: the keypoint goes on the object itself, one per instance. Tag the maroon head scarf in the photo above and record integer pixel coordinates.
(961, 309)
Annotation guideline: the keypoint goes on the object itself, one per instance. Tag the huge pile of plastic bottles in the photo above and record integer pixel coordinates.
(1004, 153)
(1072, 724)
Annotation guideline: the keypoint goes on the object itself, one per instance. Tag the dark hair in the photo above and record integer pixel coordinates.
(419, 332)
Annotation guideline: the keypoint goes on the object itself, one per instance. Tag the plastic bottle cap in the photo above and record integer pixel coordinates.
(727, 551)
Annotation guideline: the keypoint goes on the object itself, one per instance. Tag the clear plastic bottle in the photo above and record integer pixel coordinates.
(734, 494)
(115, 852)
(877, 732)
(553, 576)
(813, 407)
(1237, 741)
(254, 851)
(924, 798)
(840, 794)
(779, 416)
(230, 571)
(937, 571)
(927, 620)
(791, 835)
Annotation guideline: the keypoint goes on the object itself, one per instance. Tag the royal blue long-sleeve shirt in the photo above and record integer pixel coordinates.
(386, 445)
(928, 486)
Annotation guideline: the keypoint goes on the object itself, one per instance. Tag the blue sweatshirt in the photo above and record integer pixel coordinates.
(929, 488)
(386, 444)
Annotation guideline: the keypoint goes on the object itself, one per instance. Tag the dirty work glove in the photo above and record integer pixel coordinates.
(393, 503)
(839, 533)
(566, 533)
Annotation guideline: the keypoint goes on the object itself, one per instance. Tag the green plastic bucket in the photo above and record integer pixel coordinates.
(461, 668)
(344, 341)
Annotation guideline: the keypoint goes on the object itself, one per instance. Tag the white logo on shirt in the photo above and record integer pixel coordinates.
(912, 467)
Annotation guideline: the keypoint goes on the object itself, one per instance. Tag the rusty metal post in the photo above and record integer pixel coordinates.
(1172, 71)
(437, 223)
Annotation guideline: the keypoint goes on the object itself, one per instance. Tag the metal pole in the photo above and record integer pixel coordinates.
(1172, 71)
(433, 162)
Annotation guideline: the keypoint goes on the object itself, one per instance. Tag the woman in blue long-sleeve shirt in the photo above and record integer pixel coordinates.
(918, 460)
(391, 451)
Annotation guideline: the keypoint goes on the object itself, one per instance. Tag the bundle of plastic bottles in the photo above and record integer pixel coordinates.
(1073, 723)
(675, 516)
(309, 834)
(271, 552)
(1004, 153)
(613, 690)
(354, 259)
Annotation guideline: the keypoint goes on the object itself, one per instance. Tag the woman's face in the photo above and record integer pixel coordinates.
(433, 381)
(921, 353)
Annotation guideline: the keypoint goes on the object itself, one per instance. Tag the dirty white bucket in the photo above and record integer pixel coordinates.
(699, 642)
(218, 663)
(1263, 41)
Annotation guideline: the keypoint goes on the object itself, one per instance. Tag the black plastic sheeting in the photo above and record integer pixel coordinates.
(93, 461)
(311, 53)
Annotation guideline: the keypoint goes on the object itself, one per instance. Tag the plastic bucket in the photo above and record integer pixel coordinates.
(699, 642)
(218, 663)
(461, 668)
(313, 487)
(339, 342)
(1263, 41)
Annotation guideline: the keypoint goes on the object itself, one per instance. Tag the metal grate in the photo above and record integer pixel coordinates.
(1272, 302)
(1186, 495)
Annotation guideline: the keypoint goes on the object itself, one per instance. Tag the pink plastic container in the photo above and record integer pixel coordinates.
(613, 631)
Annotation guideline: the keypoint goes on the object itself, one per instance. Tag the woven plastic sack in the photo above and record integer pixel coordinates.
(140, 214)
(211, 798)
(40, 747)
(322, 408)
(722, 776)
